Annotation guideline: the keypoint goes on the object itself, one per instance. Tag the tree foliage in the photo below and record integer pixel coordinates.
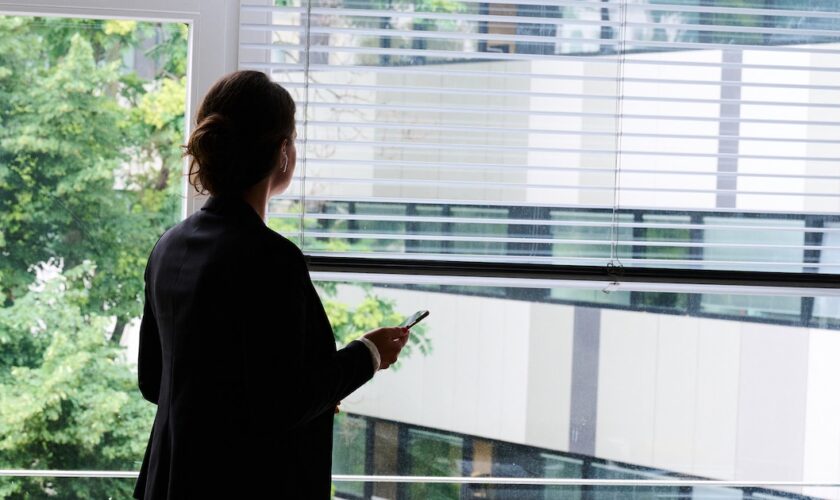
(70, 131)
(88, 158)
(67, 397)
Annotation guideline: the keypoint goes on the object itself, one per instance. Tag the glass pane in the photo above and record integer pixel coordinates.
(779, 243)
(429, 225)
(514, 383)
(92, 115)
(479, 230)
(709, 126)
(559, 467)
(434, 454)
(349, 452)
(591, 235)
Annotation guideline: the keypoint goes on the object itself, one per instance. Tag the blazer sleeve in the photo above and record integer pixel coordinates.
(311, 380)
(149, 357)
(327, 383)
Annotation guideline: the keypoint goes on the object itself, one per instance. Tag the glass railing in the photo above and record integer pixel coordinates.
(349, 487)
(440, 464)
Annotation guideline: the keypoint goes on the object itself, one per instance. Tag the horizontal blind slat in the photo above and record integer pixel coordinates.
(549, 95)
(345, 217)
(543, 131)
(489, 167)
(455, 54)
(597, 5)
(517, 19)
(531, 149)
(491, 37)
(336, 181)
(319, 68)
(512, 111)
(389, 199)
(557, 241)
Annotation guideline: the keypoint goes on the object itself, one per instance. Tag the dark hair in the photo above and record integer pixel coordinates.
(239, 130)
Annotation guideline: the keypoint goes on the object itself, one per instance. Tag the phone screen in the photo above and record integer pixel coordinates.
(414, 319)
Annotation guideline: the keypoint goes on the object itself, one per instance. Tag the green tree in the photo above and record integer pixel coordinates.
(67, 397)
(73, 123)
(66, 141)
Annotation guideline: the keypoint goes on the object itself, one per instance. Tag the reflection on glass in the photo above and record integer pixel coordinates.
(780, 243)
(584, 239)
(559, 467)
(453, 109)
(434, 454)
(349, 452)
(517, 383)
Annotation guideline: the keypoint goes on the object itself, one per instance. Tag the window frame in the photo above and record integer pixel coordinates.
(214, 31)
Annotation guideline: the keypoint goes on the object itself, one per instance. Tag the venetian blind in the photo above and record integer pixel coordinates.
(683, 134)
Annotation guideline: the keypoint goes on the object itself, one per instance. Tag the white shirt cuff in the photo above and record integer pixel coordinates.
(374, 353)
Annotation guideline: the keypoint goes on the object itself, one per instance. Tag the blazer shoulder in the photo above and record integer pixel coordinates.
(276, 242)
(166, 238)
(163, 241)
(281, 261)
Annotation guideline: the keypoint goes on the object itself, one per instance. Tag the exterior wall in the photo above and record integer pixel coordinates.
(540, 146)
(549, 376)
(704, 164)
(472, 382)
(822, 427)
(825, 133)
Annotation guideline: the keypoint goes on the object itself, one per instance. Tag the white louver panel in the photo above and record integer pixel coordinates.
(675, 134)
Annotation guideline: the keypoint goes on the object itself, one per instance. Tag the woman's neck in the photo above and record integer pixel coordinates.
(257, 196)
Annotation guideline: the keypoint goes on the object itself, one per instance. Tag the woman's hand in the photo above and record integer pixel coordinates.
(389, 341)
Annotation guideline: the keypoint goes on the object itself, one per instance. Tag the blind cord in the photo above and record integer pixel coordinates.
(305, 142)
(614, 267)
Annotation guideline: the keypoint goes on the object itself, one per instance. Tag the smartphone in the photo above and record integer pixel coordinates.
(414, 319)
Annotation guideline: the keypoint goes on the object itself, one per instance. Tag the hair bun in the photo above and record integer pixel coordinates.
(214, 130)
(241, 125)
(215, 122)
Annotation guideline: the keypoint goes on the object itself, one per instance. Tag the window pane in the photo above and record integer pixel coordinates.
(434, 454)
(709, 128)
(92, 115)
(349, 452)
(779, 243)
(513, 383)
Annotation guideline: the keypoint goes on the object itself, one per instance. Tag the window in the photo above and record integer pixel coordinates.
(647, 190)
(671, 132)
(93, 114)
(623, 215)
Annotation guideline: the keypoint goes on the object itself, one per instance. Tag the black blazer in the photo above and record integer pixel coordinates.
(239, 356)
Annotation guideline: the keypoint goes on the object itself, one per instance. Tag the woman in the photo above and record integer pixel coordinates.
(235, 347)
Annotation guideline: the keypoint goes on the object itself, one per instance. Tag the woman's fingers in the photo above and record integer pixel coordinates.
(389, 341)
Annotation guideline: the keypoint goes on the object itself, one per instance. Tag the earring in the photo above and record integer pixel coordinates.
(285, 162)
